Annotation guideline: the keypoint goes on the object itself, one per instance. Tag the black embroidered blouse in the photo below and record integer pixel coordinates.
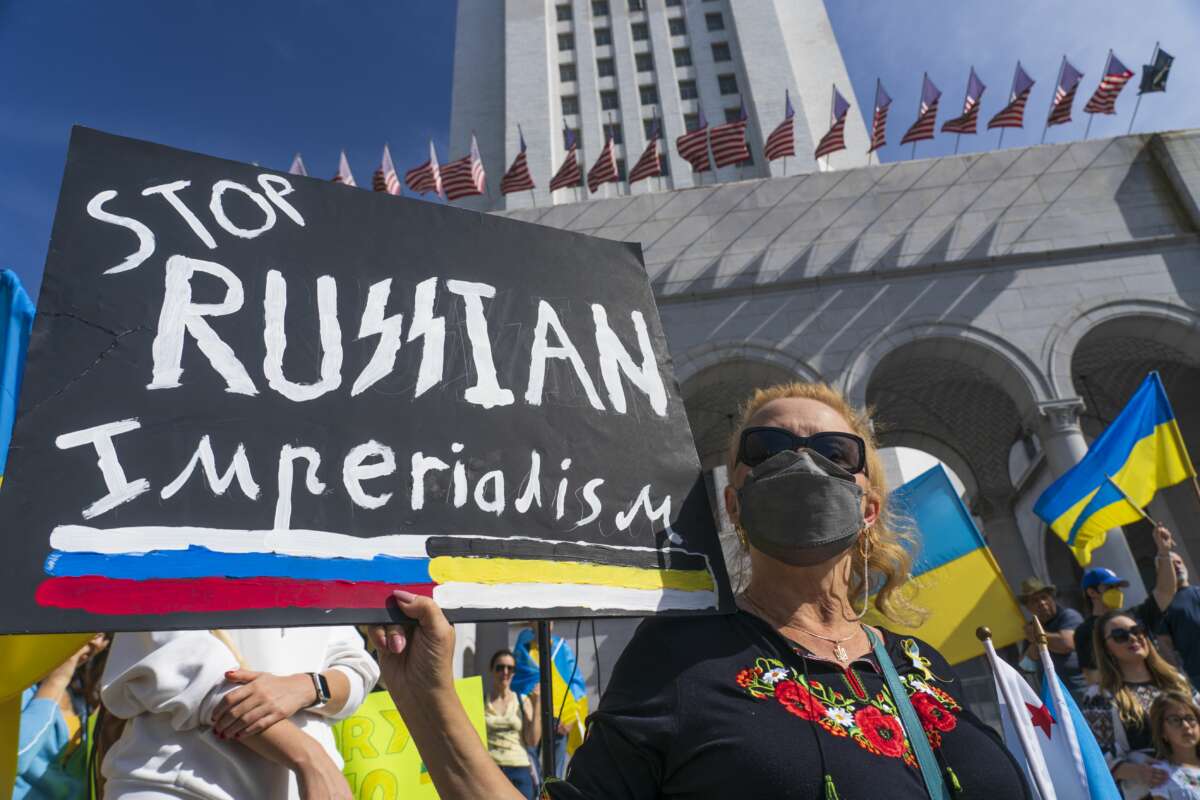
(724, 707)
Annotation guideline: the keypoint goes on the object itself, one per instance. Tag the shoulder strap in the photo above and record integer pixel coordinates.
(930, 771)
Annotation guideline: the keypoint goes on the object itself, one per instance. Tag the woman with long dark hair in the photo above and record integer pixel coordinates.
(513, 724)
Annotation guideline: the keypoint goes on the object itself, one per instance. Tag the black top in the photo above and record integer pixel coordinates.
(724, 707)
(1066, 665)
(1145, 612)
(1181, 621)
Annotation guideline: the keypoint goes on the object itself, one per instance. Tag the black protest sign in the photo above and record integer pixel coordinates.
(255, 399)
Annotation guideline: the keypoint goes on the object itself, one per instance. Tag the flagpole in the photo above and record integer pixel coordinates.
(1136, 106)
(1000, 143)
(1141, 512)
(533, 197)
(957, 139)
(1053, 95)
(785, 166)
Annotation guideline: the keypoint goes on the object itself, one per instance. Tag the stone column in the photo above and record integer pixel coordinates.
(995, 512)
(1064, 446)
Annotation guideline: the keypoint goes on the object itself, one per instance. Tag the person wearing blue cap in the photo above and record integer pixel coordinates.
(1103, 590)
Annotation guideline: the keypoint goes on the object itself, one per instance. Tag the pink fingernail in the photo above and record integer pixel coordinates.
(403, 596)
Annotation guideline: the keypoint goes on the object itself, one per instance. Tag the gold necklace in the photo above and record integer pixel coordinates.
(839, 652)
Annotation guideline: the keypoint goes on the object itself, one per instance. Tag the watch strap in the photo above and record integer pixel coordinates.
(321, 689)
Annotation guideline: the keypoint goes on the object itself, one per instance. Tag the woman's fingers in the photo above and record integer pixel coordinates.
(241, 675)
(426, 612)
(236, 712)
(229, 701)
(238, 728)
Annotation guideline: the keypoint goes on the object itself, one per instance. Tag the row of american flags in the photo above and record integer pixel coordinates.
(708, 147)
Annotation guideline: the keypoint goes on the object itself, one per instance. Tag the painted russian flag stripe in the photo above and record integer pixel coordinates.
(119, 596)
(200, 562)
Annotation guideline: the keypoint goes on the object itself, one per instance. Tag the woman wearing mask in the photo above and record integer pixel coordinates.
(789, 697)
(513, 724)
(1175, 721)
(1132, 676)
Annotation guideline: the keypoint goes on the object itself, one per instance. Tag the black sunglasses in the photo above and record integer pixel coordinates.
(504, 668)
(844, 449)
(1123, 635)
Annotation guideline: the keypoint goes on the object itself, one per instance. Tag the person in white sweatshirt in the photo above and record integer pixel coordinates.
(228, 715)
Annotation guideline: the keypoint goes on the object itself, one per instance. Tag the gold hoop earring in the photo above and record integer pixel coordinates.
(864, 549)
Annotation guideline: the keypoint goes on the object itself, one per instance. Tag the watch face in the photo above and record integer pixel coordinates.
(324, 691)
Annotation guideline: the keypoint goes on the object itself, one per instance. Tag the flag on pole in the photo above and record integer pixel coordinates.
(835, 137)
(729, 145)
(569, 173)
(926, 115)
(648, 164)
(605, 168)
(567, 683)
(966, 122)
(297, 167)
(1033, 736)
(465, 177)
(344, 175)
(1154, 76)
(517, 179)
(427, 177)
(782, 141)
(883, 101)
(385, 178)
(1104, 99)
(1140, 452)
(1013, 114)
(1064, 94)
(16, 321)
(1090, 765)
(693, 147)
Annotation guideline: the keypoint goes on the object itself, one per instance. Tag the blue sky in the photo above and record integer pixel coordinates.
(258, 81)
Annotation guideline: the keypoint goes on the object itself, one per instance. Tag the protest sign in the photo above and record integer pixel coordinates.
(382, 762)
(254, 399)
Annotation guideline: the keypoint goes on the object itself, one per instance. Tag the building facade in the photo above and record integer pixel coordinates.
(604, 67)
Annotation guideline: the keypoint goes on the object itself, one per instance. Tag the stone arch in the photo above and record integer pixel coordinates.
(710, 354)
(940, 450)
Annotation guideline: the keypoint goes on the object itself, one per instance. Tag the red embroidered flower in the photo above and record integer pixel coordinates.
(796, 699)
(933, 715)
(882, 730)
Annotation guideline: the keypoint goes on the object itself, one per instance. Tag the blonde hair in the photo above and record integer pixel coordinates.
(1164, 676)
(889, 556)
(1158, 715)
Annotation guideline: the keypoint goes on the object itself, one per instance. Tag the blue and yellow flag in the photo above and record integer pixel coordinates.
(16, 320)
(1141, 452)
(566, 680)
(957, 579)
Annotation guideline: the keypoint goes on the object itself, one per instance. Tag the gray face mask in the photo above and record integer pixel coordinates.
(800, 508)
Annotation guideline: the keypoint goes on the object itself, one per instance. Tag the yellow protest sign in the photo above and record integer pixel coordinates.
(382, 763)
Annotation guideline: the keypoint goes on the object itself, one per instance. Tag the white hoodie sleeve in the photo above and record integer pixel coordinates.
(346, 654)
(178, 673)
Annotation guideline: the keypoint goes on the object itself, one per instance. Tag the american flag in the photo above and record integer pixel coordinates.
(1064, 94)
(647, 165)
(970, 115)
(883, 101)
(605, 168)
(517, 179)
(569, 173)
(344, 175)
(835, 139)
(927, 114)
(465, 177)
(693, 147)
(1013, 114)
(427, 177)
(728, 141)
(1104, 99)
(297, 167)
(782, 141)
(385, 178)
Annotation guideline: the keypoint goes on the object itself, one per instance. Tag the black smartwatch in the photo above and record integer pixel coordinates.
(322, 689)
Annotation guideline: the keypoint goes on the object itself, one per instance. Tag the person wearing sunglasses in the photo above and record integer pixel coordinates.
(1132, 676)
(791, 697)
(513, 724)
(1175, 721)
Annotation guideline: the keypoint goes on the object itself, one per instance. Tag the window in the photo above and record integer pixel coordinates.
(614, 130)
(714, 22)
(720, 51)
(563, 12)
(674, 3)
(621, 168)
(645, 62)
(608, 100)
(605, 67)
(637, 5)
(677, 26)
(728, 84)
(663, 164)
(687, 90)
(599, 8)
(603, 36)
(649, 94)
(733, 114)
(683, 57)
(566, 41)
(570, 104)
(691, 122)
(648, 128)
(566, 72)
(640, 31)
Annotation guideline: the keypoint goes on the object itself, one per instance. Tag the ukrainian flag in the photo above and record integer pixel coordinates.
(16, 320)
(1141, 452)
(566, 681)
(956, 577)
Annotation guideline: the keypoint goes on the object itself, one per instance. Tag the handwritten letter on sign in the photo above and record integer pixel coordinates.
(258, 399)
